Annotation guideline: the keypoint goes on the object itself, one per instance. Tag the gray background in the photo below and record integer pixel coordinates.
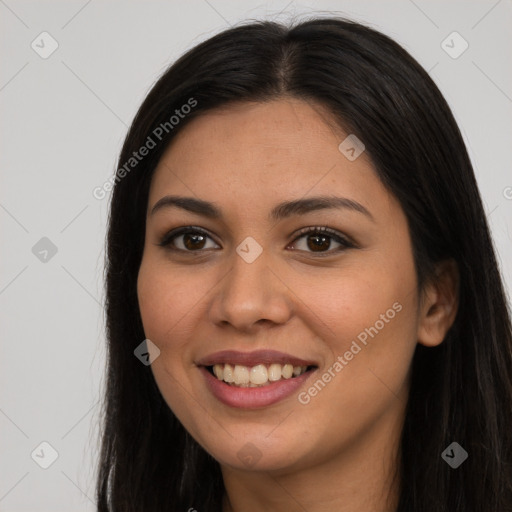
(62, 123)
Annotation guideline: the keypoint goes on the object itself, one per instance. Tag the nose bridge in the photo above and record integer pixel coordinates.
(250, 291)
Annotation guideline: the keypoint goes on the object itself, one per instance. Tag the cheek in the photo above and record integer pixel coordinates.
(165, 304)
(351, 303)
(172, 303)
(165, 297)
(153, 296)
(369, 311)
(371, 322)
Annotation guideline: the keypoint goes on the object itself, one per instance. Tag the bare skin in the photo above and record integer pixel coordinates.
(304, 295)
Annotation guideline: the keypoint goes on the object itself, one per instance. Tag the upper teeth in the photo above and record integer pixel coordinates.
(258, 375)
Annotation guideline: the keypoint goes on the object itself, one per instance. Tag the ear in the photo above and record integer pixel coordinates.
(439, 304)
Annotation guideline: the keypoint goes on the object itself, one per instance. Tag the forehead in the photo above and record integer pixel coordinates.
(279, 128)
(256, 154)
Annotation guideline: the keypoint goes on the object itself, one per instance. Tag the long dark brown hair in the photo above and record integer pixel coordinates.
(460, 391)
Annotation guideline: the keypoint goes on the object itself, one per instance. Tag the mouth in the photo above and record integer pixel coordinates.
(252, 380)
(259, 375)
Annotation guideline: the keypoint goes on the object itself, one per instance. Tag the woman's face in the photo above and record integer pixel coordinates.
(342, 304)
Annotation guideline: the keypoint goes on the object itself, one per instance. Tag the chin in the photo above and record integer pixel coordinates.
(257, 454)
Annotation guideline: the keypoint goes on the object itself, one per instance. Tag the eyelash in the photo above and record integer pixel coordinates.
(335, 235)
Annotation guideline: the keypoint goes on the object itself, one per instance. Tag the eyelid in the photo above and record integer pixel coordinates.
(332, 233)
(173, 233)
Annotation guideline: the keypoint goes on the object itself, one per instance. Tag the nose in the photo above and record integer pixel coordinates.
(250, 295)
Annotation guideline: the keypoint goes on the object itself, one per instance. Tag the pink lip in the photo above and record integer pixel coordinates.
(252, 358)
(253, 398)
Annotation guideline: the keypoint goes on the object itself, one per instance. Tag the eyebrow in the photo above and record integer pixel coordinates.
(281, 211)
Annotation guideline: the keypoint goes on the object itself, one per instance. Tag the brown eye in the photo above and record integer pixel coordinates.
(187, 240)
(191, 241)
(320, 239)
(320, 242)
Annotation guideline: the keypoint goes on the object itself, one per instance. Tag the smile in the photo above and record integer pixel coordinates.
(256, 376)
(252, 380)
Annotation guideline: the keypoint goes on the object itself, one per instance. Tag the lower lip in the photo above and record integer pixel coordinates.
(253, 398)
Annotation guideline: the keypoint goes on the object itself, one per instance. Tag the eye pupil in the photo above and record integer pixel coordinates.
(317, 245)
(190, 241)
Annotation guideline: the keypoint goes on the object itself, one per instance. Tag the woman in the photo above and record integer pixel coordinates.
(304, 308)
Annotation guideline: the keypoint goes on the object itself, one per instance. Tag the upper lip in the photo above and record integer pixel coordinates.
(252, 358)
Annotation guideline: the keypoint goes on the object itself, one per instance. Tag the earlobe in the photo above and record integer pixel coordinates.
(439, 305)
